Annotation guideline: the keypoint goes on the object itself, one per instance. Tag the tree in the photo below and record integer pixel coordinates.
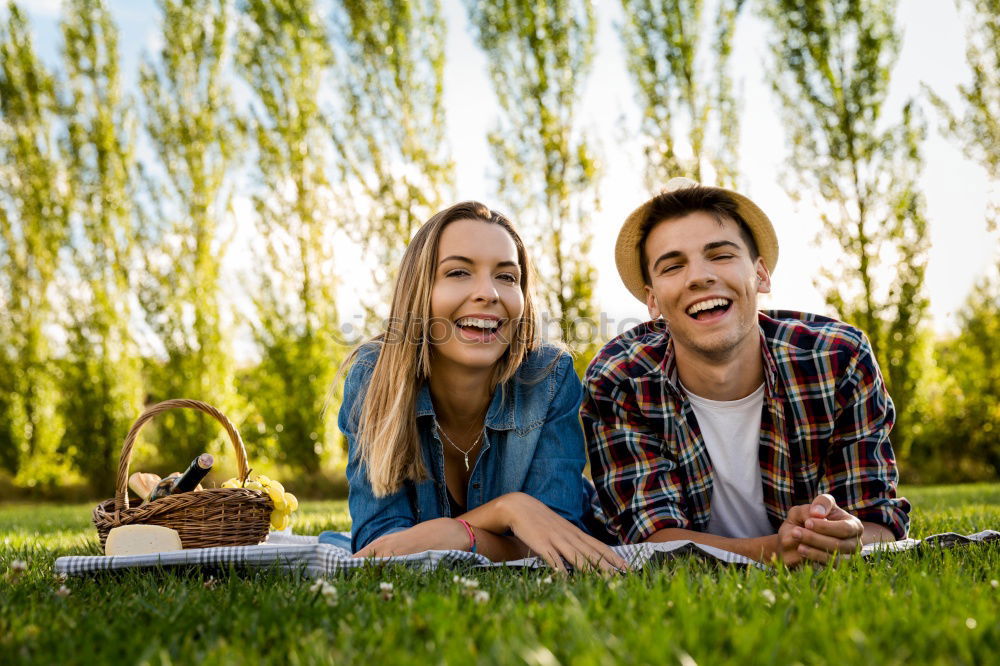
(103, 381)
(33, 228)
(284, 54)
(539, 56)
(957, 438)
(978, 127)
(389, 129)
(686, 98)
(191, 126)
(831, 71)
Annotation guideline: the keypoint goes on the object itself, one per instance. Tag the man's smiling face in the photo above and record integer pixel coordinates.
(704, 283)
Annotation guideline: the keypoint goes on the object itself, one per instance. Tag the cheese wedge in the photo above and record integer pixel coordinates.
(141, 540)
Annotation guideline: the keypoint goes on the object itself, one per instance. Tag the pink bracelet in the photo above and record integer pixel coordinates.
(472, 535)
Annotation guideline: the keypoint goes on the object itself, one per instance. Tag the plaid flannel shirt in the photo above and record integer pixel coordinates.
(824, 429)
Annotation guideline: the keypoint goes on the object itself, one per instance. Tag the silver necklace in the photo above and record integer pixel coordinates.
(458, 448)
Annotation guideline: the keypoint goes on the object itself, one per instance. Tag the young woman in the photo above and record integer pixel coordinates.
(462, 427)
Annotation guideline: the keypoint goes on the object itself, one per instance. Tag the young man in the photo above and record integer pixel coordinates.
(762, 433)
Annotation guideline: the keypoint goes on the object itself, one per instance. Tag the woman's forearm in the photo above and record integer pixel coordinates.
(499, 548)
(491, 522)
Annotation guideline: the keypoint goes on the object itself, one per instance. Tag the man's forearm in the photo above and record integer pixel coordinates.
(761, 549)
(875, 533)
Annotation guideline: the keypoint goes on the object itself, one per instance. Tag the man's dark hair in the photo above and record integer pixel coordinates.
(671, 205)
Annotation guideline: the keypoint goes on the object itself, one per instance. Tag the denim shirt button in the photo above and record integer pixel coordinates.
(475, 486)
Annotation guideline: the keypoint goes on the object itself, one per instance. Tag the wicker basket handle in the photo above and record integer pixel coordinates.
(121, 484)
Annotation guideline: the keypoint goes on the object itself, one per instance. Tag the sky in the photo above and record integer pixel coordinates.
(957, 190)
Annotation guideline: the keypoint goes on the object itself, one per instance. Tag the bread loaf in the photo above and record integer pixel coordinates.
(141, 540)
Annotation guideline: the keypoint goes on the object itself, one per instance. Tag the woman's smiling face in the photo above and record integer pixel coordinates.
(476, 297)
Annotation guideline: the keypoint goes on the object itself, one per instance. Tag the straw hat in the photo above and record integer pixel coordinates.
(628, 254)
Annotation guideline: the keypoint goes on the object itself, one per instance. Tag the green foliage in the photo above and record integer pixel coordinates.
(190, 123)
(680, 610)
(390, 128)
(686, 99)
(977, 128)
(102, 387)
(960, 434)
(831, 72)
(283, 54)
(34, 224)
(539, 56)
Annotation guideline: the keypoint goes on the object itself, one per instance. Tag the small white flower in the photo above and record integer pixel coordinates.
(994, 583)
(20, 566)
(63, 591)
(385, 587)
(481, 596)
(547, 580)
(61, 577)
(769, 597)
(970, 622)
(466, 582)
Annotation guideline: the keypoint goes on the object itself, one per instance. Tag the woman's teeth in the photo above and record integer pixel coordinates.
(487, 324)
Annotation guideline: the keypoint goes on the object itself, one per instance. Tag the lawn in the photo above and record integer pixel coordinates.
(928, 607)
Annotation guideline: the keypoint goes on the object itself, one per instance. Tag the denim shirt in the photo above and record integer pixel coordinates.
(533, 444)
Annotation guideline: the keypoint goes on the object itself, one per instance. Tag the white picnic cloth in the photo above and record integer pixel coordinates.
(314, 559)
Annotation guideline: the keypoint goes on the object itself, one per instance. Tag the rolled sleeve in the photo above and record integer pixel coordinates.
(861, 471)
(371, 516)
(639, 485)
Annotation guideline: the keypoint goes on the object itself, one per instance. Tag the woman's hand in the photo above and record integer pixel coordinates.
(437, 534)
(555, 539)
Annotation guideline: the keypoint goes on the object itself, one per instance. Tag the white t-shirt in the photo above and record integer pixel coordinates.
(731, 430)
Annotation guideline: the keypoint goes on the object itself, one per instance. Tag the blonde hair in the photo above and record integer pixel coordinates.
(387, 436)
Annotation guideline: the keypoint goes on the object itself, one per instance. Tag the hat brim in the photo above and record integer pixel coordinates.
(628, 253)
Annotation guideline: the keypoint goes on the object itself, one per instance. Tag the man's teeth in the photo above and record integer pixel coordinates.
(707, 305)
(489, 324)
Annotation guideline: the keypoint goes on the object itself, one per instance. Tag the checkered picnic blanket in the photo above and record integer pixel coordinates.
(313, 559)
(316, 559)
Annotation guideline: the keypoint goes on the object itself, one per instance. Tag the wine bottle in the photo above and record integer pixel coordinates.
(186, 482)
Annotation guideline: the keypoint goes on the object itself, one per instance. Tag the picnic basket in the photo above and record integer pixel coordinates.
(204, 518)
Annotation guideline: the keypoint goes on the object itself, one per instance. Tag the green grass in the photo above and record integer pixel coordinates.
(931, 607)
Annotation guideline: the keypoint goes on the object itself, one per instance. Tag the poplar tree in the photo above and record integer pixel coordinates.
(539, 56)
(33, 229)
(965, 404)
(103, 381)
(284, 55)
(831, 68)
(685, 88)
(190, 124)
(389, 127)
(977, 126)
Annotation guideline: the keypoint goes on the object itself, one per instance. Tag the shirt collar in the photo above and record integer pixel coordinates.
(667, 369)
(499, 416)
